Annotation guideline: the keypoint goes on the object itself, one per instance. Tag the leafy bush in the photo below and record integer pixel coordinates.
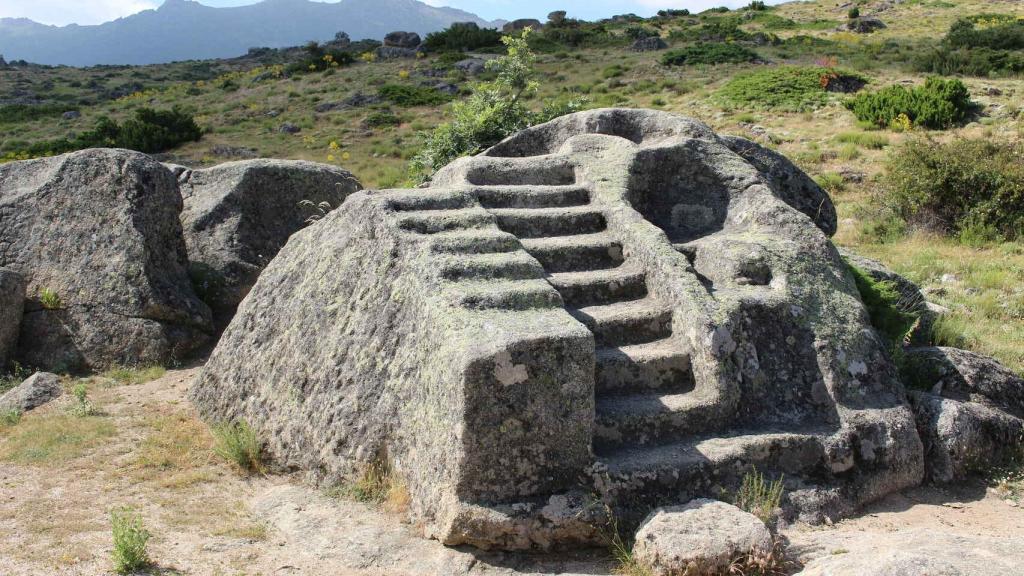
(239, 443)
(938, 104)
(381, 119)
(793, 88)
(319, 59)
(408, 95)
(983, 45)
(130, 540)
(15, 113)
(150, 131)
(494, 111)
(462, 36)
(708, 53)
(757, 5)
(82, 406)
(964, 184)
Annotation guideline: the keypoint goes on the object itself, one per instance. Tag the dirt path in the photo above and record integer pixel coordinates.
(60, 475)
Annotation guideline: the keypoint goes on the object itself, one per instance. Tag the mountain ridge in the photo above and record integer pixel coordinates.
(188, 30)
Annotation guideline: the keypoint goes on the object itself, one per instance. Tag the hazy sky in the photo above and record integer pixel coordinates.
(62, 12)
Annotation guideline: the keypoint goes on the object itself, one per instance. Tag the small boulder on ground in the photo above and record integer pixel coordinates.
(969, 410)
(289, 128)
(701, 537)
(71, 115)
(863, 25)
(403, 40)
(12, 303)
(97, 236)
(238, 215)
(521, 24)
(471, 66)
(649, 44)
(36, 390)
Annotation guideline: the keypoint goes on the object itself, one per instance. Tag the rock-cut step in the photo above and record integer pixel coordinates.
(625, 323)
(595, 284)
(435, 221)
(504, 295)
(598, 251)
(474, 241)
(662, 365)
(539, 222)
(648, 418)
(516, 265)
(532, 196)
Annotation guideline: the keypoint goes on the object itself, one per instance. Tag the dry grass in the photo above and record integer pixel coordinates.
(124, 375)
(377, 484)
(175, 452)
(54, 438)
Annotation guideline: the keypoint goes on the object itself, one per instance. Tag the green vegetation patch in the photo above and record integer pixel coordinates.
(789, 88)
(462, 36)
(964, 186)
(14, 113)
(709, 53)
(884, 303)
(407, 95)
(982, 45)
(937, 104)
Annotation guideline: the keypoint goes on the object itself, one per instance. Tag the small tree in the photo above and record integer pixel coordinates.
(494, 111)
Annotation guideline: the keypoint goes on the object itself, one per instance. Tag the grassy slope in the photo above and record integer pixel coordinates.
(984, 292)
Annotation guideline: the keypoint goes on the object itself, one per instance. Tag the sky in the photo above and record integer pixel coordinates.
(61, 12)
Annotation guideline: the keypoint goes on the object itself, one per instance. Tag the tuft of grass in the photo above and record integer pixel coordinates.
(50, 299)
(621, 549)
(869, 140)
(832, 182)
(376, 484)
(177, 445)
(130, 540)
(9, 418)
(239, 443)
(130, 375)
(759, 496)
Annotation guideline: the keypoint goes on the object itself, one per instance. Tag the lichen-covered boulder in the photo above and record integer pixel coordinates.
(12, 304)
(521, 24)
(969, 409)
(238, 215)
(97, 237)
(703, 537)
(615, 304)
(402, 39)
(649, 44)
(36, 390)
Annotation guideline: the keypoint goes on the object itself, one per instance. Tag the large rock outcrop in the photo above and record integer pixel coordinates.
(238, 215)
(615, 304)
(969, 408)
(12, 304)
(97, 237)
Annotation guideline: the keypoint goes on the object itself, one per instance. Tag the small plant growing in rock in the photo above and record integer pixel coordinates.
(622, 551)
(238, 442)
(759, 496)
(130, 539)
(318, 211)
(49, 299)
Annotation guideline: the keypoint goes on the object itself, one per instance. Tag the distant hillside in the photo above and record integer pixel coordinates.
(187, 30)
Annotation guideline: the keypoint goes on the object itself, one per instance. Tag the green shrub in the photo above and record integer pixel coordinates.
(759, 496)
(462, 36)
(853, 13)
(494, 111)
(890, 315)
(832, 182)
(613, 71)
(381, 119)
(130, 540)
(963, 184)
(238, 442)
(17, 113)
(82, 406)
(407, 95)
(937, 104)
(757, 5)
(982, 45)
(791, 88)
(319, 59)
(708, 53)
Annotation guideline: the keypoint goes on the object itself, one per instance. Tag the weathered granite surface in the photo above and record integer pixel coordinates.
(12, 304)
(238, 215)
(605, 314)
(98, 231)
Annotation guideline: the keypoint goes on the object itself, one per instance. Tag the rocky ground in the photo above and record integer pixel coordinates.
(60, 475)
